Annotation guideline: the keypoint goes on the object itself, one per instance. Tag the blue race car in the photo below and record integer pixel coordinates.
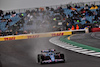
(49, 56)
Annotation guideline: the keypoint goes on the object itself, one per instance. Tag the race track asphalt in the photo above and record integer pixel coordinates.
(88, 39)
(23, 53)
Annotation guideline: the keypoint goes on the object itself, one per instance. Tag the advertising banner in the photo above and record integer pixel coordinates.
(38, 35)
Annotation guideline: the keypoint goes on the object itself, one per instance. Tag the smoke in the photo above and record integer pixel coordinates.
(38, 22)
(39, 44)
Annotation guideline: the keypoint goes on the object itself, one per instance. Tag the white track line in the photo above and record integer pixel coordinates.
(93, 35)
(56, 41)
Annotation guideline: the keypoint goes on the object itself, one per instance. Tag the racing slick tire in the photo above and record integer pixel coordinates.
(62, 57)
(40, 58)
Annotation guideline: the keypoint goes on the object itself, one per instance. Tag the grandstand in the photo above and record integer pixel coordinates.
(47, 19)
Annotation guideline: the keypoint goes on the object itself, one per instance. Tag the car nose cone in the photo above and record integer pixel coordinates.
(52, 58)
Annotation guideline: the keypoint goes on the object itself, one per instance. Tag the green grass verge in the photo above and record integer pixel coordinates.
(64, 39)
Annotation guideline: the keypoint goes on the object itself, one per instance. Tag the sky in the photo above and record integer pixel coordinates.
(19, 4)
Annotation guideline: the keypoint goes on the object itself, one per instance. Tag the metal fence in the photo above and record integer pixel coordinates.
(55, 6)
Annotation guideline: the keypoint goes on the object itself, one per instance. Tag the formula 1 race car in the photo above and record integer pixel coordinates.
(49, 56)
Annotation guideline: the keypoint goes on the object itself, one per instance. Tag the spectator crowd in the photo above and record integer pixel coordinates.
(48, 19)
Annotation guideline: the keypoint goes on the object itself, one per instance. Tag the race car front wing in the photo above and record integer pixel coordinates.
(49, 61)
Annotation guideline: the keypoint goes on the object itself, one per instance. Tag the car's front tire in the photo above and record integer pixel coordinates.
(39, 59)
(62, 57)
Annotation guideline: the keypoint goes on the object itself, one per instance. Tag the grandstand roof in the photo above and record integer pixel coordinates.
(19, 4)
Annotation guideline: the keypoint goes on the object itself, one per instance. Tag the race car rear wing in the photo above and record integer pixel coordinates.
(50, 50)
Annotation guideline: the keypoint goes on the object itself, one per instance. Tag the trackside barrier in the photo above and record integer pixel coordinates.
(85, 30)
(38, 35)
(95, 29)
